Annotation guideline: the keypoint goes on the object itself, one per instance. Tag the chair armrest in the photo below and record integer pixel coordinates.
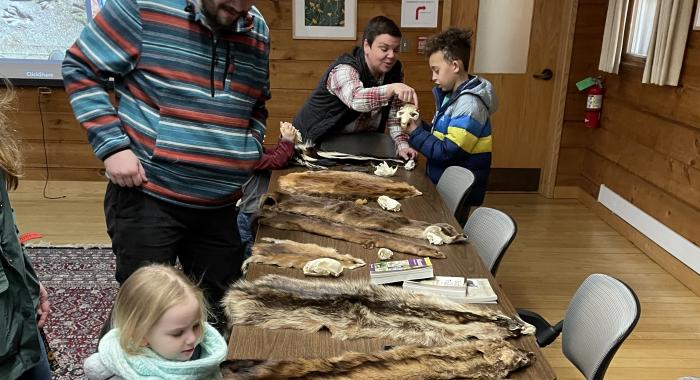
(545, 332)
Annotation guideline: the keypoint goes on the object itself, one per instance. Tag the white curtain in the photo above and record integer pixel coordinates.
(614, 36)
(667, 44)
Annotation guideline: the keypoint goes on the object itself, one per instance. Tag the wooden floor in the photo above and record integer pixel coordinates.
(559, 243)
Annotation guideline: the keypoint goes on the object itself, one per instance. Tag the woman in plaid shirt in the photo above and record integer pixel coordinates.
(361, 91)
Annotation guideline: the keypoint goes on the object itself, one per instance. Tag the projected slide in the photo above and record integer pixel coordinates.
(34, 34)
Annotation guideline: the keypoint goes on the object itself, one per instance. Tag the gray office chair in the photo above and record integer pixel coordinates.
(601, 315)
(490, 232)
(453, 186)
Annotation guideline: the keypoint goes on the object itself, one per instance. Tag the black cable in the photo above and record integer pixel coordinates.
(43, 139)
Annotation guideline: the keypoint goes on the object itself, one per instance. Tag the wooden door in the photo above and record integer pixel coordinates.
(527, 125)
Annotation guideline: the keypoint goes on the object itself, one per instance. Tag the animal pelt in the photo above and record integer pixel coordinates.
(357, 216)
(359, 309)
(306, 154)
(475, 359)
(368, 239)
(291, 254)
(344, 185)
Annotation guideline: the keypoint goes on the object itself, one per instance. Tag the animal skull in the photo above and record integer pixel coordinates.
(323, 267)
(407, 113)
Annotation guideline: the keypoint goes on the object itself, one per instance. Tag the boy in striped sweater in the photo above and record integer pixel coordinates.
(191, 80)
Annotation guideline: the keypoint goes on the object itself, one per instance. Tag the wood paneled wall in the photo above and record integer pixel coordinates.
(295, 68)
(648, 148)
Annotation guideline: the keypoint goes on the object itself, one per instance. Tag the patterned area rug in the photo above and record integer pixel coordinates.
(81, 288)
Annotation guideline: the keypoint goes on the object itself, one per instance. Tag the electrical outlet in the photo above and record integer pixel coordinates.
(403, 47)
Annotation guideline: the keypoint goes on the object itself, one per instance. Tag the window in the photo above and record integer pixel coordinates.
(640, 25)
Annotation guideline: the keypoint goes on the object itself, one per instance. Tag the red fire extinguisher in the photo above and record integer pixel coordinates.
(594, 104)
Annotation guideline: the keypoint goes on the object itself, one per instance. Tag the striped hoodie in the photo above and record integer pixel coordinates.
(460, 134)
(191, 102)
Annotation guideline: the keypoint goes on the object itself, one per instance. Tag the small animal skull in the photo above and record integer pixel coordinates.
(385, 253)
(323, 267)
(389, 204)
(407, 113)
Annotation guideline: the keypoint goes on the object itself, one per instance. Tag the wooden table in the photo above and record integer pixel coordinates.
(248, 342)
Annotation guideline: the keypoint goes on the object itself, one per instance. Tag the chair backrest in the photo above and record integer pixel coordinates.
(453, 186)
(601, 315)
(490, 232)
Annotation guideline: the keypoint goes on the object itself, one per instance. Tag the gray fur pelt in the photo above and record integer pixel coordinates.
(357, 216)
(359, 309)
(475, 359)
(292, 254)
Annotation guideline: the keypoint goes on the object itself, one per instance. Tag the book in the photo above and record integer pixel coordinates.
(475, 290)
(385, 272)
(441, 285)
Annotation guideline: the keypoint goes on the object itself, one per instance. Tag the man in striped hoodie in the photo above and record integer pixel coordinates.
(191, 79)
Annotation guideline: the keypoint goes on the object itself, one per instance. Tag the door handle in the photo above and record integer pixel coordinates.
(546, 74)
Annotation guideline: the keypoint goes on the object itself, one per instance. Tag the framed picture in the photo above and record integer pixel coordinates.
(696, 24)
(324, 19)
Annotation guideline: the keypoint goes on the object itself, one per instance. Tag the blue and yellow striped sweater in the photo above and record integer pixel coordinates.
(191, 102)
(460, 134)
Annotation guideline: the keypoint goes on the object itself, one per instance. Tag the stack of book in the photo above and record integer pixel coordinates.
(385, 272)
(475, 290)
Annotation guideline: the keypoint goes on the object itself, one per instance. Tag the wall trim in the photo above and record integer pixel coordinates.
(655, 252)
(668, 239)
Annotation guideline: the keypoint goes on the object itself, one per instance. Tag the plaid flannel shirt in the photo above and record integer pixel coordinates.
(344, 82)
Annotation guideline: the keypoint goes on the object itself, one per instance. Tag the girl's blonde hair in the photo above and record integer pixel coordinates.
(10, 157)
(145, 296)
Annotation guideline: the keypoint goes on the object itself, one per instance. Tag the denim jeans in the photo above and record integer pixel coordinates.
(244, 230)
(41, 371)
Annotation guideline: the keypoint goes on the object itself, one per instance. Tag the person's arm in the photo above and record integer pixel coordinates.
(344, 82)
(258, 118)
(277, 157)
(109, 46)
(461, 138)
(393, 124)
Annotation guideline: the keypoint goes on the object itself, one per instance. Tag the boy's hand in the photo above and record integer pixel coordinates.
(404, 92)
(288, 131)
(411, 126)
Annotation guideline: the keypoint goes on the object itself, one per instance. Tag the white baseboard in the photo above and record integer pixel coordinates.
(675, 244)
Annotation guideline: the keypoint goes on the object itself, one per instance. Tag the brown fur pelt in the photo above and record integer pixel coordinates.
(354, 215)
(291, 254)
(475, 359)
(368, 239)
(344, 185)
(359, 309)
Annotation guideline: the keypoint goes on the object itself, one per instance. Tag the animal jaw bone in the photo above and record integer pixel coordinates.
(407, 113)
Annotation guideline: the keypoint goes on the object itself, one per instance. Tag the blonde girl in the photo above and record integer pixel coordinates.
(159, 331)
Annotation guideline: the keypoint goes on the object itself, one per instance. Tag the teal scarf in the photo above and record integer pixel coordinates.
(150, 366)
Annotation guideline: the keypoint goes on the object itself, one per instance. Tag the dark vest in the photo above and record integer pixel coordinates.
(323, 112)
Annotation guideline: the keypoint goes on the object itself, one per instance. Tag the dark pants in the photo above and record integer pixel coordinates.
(147, 230)
(41, 371)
